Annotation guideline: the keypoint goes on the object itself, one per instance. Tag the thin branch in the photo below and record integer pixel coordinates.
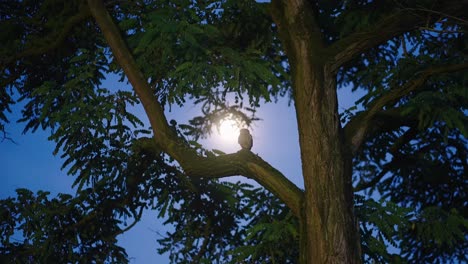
(241, 163)
(206, 240)
(388, 27)
(5, 136)
(358, 127)
(137, 219)
(413, 85)
(441, 31)
(443, 14)
(346, 49)
(403, 45)
(405, 138)
(11, 78)
(364, 185)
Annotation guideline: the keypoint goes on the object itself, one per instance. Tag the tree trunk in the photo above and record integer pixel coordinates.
(328, 229)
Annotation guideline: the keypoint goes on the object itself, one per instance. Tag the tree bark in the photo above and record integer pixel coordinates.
(330, 233)
(328, 229)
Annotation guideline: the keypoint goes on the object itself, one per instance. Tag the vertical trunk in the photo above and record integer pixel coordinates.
(328, 229)
(328, 226)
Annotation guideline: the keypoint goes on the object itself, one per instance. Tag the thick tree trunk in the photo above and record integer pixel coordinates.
(328, 228)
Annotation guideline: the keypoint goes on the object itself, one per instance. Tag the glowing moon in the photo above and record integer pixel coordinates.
(228, 130)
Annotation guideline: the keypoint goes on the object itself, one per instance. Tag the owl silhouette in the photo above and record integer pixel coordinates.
(245, 139)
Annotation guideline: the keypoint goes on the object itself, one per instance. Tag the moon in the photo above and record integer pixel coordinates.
(228, 130)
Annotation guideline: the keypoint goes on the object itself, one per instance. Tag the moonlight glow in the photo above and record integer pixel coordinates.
(228, 130)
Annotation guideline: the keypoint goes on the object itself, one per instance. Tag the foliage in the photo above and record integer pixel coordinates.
(37, 229)
(228, 222)
(227, 57)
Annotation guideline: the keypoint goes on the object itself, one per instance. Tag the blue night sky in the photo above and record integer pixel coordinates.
(29, 163)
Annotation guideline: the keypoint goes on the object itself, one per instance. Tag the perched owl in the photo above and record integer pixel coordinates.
(245, 139)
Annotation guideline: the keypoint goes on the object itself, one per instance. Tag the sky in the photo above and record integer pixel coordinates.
(29, 162)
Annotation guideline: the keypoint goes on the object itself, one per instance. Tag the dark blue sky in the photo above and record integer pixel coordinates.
(29, 163)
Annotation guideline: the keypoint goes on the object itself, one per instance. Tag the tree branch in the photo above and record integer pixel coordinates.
(136, 220)
(358, 127)
(440, 31)
(206, 240)
(392, 25)
(409, 135)
(252, 166)
(442, 14)
(364, 185)
(405, 138)
(351, 46)
(241, 163)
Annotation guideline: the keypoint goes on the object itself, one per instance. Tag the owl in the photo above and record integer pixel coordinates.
(245, 139)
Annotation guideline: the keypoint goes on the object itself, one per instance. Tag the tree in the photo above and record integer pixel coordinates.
(406, 140)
